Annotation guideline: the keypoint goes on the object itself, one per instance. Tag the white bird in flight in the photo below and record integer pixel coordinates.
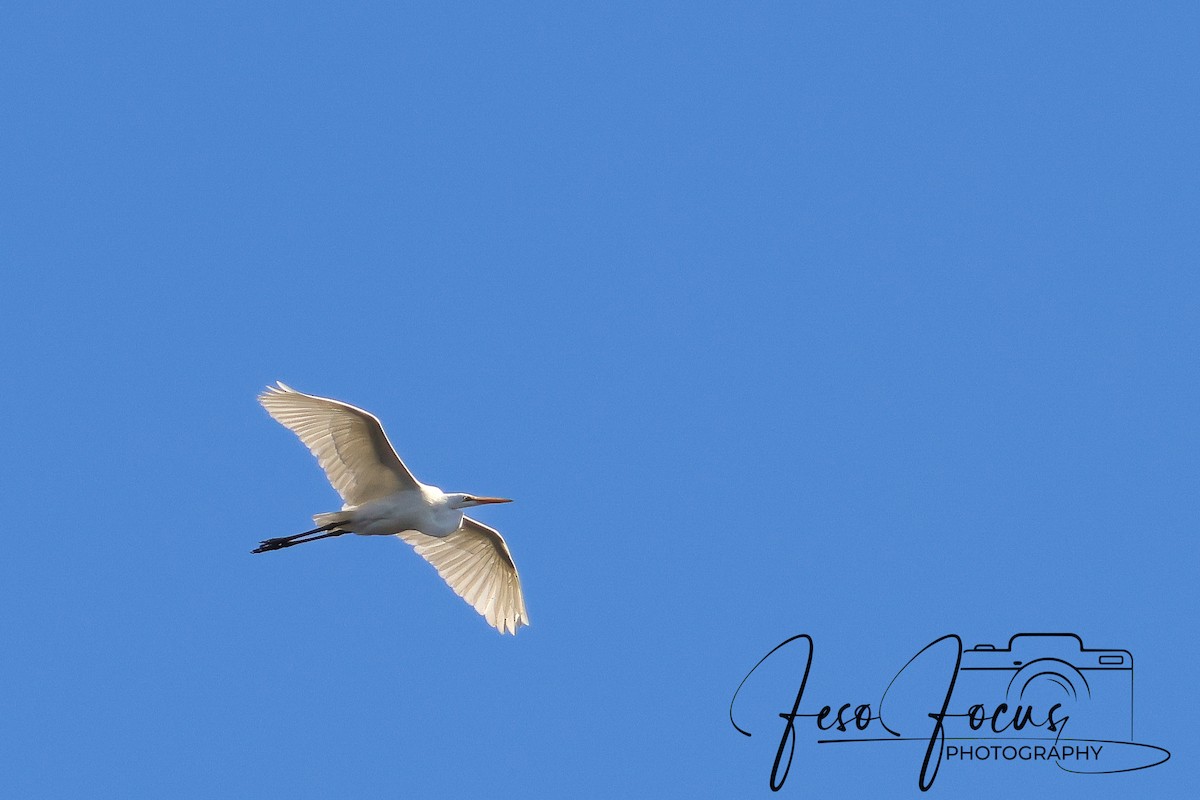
(382, 498)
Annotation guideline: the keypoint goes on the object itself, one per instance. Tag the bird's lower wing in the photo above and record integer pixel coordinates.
(476, 563)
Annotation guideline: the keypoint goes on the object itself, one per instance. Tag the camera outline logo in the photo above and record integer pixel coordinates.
(1093, 686)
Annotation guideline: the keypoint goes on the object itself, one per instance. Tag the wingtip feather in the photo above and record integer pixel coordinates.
(272, 391)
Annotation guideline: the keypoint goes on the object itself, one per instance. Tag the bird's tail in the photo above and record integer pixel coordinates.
(332, 519)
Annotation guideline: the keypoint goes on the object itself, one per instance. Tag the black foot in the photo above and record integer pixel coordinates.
(268, 545)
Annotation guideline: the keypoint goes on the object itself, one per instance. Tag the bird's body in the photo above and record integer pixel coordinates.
(426, 509)
(382, 498)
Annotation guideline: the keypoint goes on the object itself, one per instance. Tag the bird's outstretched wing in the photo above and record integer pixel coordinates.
(349, 443)
(476, 563)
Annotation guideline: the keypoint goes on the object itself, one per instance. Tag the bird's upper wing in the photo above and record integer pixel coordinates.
(476, 563)
(348, 442)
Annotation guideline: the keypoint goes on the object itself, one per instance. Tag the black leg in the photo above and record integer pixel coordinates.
(287, 541)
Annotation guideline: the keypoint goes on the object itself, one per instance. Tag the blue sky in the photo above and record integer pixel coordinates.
(869, 323)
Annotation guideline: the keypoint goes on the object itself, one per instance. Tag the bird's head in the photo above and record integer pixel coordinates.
(459, 500)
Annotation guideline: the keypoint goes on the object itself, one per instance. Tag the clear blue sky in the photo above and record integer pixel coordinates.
(869, 323)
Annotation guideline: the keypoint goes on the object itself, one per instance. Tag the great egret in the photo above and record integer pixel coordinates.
(382, 498)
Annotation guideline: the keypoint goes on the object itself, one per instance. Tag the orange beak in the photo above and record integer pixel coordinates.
(483, 500)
